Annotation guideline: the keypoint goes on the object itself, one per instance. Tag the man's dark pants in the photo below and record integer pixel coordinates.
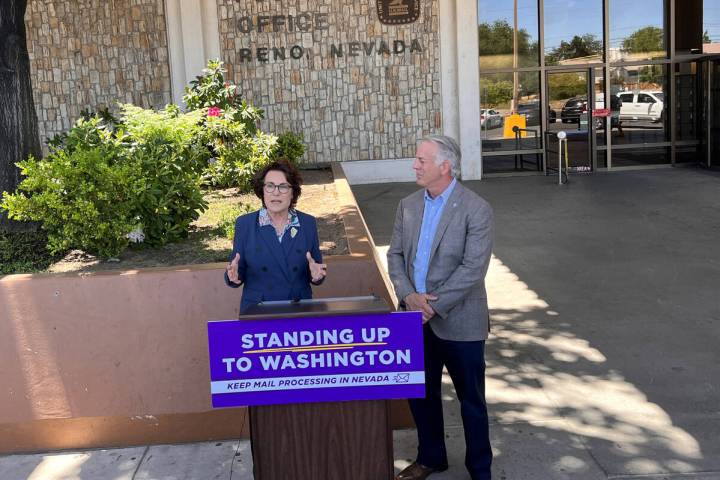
(465, 362)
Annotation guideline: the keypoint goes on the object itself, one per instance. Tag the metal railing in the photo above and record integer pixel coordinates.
(518, 139)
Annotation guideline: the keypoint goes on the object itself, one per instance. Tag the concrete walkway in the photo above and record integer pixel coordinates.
(604, 360)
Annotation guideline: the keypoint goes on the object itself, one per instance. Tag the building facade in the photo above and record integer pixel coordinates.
(363, 81)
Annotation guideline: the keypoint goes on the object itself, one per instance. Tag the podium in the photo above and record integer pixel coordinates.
(321, 441)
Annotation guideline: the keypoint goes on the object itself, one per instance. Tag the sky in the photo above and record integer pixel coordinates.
(566, 18)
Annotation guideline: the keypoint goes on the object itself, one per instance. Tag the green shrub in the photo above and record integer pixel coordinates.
(137, 175)
(237, 148)
(211, 92)
(82, 195)
(228, 215)
(169, 157)
(237, 155)
(97, 128)
(101, 181)
(24, 252)
(289, 145)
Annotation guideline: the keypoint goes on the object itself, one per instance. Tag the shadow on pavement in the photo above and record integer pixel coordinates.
(605, 321)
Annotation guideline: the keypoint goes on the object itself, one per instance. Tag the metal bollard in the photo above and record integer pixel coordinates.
(562, 142)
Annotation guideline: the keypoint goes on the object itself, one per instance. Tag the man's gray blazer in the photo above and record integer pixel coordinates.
(459, 259)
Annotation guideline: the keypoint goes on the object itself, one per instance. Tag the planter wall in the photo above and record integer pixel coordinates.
(120, 358)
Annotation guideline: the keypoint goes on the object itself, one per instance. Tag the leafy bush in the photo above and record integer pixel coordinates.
(237, 155)
(68, 140)
(289, 145)
(228, 215)
(169, 156)
(81, 198)
(238, 149)
(82, 194)
(101, 182)
(137, 174)
(24, 252)
(211, 92)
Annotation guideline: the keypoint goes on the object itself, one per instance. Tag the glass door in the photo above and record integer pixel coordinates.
(569, 109)
(713, 125)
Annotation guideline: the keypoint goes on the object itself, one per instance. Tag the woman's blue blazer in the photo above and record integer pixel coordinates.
(273, 270)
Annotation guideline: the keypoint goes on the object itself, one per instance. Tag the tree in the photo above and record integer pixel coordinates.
(18, 121)
(651, 74)
(496, 39)
(579, 47)
(647, 39)
(495, 92)
(566, 85)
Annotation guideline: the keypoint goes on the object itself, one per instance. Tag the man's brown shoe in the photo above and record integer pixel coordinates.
(417, 471)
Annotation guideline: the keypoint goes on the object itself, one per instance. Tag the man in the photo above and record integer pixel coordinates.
(438, 257)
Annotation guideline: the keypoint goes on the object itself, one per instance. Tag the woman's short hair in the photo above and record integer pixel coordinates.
(292, 175)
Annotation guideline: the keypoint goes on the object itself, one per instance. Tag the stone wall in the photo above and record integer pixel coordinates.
(87, 54)
(356, 88)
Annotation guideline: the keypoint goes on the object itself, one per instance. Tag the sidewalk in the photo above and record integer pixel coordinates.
(604, 358)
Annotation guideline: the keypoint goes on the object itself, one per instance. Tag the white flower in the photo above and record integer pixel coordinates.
(136, 236)
(212, 161)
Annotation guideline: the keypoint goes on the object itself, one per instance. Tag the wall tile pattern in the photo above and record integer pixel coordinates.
(87, 54)
(359, 107)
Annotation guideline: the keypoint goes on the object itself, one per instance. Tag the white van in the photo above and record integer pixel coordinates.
(643, 105)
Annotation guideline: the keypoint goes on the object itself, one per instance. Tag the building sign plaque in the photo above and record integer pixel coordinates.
(398, 12)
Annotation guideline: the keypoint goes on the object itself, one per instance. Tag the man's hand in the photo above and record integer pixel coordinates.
(317, 270)
(418, 302)
(232, 270)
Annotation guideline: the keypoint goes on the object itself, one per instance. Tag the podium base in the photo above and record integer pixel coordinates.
(322, 441)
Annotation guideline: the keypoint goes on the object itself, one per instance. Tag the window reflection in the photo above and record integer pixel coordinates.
(573, 32)
(500, 24)
(512, 163)
(641, 90)
(711, 26)
(687, 116)
(640, 156)
(636, 30)
(497, 92)
(603, 111)
(623, 103)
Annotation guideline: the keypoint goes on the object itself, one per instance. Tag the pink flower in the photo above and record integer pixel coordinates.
(214, 112)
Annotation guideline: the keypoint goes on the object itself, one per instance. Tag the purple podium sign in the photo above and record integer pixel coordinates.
(316, 359)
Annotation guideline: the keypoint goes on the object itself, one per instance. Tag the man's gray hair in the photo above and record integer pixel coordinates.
(448, 149)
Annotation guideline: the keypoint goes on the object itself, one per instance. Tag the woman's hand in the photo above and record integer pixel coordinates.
(232, 270)
(317, 270)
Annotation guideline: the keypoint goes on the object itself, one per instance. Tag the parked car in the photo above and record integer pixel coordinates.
(490, 118)
(576, 106)
(642, 105)
(531, 110)
(572, 109)
(552, 115)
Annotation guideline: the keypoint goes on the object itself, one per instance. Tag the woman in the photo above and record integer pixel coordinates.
(276, 251)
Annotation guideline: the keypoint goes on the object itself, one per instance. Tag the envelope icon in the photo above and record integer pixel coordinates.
(402, 378)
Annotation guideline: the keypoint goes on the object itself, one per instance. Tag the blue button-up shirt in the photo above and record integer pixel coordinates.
(431, 219)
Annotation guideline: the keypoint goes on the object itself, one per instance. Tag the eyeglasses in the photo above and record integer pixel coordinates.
(270, 187)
